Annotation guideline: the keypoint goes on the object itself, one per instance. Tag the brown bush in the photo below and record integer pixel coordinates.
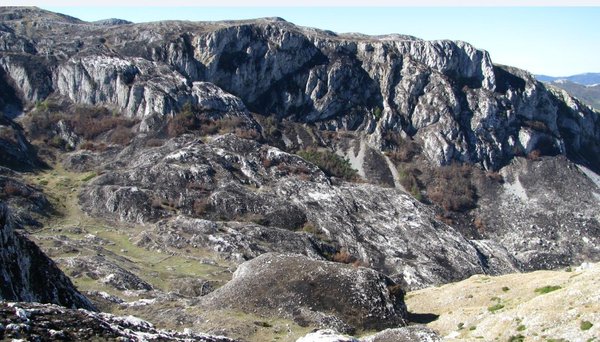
(154, 142)
(451, 188)
(401, 150)
(343, 256)
(121, 136)
(90, 146)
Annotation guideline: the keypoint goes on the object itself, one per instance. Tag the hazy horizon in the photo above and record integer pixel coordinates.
(553, 41)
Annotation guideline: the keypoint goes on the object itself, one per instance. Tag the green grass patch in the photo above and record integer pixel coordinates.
(547, 289)
(495, 307)
(88, 177)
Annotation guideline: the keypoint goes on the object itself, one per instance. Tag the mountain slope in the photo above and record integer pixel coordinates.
(181, 150)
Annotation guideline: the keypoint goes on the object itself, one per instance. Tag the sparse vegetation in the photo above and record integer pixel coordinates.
(87, 122)
(495, 307)
(451, 188)
(332, 164)
(190, 120)
(521, 327)
(547, 289)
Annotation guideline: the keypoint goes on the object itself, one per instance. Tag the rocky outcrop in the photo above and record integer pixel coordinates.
(29, 275)
(447, 95)
(294, 286)
(382, 227)
(16, 152)
(405, 334)
(34, 321)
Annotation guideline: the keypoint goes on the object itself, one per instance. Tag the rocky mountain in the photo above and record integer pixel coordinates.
(171, 154)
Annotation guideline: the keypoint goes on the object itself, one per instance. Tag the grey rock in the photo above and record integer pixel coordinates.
(52, 322)
(405, 334)
(28, 274)
(106, 272)
(283, 284)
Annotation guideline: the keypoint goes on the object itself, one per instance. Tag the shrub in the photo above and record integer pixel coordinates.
(11, 189)
(518, 338)
(547, 289)
(330, 163)
(377, 112)
(183, 122)
(408, 177)
(585, 325)
(121, 136)
(505, 288)
(451, 188)
(521, 327)
(401, 150)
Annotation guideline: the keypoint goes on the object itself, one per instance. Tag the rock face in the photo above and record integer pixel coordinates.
(548, 188)
(294, 286)
(447, 95)
(34, 321)
(28, 275)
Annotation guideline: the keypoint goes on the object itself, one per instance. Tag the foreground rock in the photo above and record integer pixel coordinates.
(313, 292)
(45, 322)
(27, 274)
(415, 333)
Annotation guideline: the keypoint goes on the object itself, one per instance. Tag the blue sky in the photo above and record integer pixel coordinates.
(556, 41)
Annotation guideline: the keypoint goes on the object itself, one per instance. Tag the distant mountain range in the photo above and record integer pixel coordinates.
(588, 78)
(585, 87)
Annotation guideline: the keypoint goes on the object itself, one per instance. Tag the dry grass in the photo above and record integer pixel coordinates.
(496, 308)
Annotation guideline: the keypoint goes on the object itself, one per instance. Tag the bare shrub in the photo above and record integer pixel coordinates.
(451, 188)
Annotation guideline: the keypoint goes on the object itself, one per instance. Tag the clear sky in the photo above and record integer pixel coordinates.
(556, 41)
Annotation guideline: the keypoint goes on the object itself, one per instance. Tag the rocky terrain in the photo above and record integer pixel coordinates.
(236, 178)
